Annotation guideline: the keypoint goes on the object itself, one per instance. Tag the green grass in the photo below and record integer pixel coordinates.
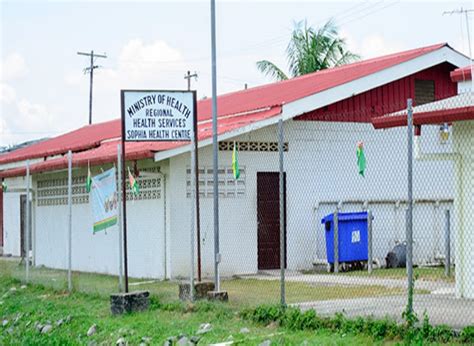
(242, 292)
(423, 273)
(38, 304)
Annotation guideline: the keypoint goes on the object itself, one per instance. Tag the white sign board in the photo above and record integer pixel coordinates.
(103, 199)
(157, 115)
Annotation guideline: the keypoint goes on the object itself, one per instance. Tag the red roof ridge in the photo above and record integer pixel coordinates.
(230, 105)
(426, 49)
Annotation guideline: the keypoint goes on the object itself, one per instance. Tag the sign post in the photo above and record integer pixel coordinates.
(153, 116)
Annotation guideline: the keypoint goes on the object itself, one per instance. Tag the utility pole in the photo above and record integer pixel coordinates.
(195, 162)
(188, 76)
(90, 69)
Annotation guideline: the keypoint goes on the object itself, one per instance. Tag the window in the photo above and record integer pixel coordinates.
(424, 91)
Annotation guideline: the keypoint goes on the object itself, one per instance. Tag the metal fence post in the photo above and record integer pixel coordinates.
(193, 204)
(69, 220)
(447, 243)
(282, 214)
(120, 220)
(369, 240)
(27, 221)
(409, 230)
(336, 241)
(215, 144)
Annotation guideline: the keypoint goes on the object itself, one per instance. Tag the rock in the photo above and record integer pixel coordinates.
(170, 341)
(46, 329)
(146, 340)
(92, 330)
(59, 322)
(39, 326)
(12, 289)
(204, 328)
(183, 341)
(121, 342)
(4, 323)
(265, 343)
(195, 340)
(244, 331)
(23, 287)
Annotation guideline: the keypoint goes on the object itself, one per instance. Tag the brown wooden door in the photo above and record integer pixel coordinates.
(268, 217)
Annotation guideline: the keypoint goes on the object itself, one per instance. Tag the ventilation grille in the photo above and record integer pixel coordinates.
(228, 186)
(54, 191)
(252, 146)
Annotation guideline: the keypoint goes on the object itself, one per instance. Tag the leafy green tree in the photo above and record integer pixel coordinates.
(311, 50)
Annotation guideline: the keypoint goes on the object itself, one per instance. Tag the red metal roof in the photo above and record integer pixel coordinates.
(424, 118)
(296, 88)
(456, 108)
(236, 110)
(462, 74)
(107, 151)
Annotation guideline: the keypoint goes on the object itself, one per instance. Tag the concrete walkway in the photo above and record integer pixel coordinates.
(440, 304)
(441, 309)
(345, 280)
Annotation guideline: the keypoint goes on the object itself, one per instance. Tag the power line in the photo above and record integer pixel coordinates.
(374, 11)
(345, 15)
(90, 70)
(462, 11)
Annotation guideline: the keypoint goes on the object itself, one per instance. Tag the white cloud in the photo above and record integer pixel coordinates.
(13, 67)
(138, 65)
(372, 46)
(7, 94)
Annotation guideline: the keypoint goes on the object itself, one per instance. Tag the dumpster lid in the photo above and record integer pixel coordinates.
(362, 215)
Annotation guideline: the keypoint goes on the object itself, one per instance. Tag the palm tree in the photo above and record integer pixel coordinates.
(311, 50)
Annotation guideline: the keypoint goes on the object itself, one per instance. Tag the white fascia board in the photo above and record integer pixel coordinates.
(19, 164)
(338, 93)
(162, 155)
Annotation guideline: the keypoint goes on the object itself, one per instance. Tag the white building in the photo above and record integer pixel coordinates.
(458, 113)
(324, 113)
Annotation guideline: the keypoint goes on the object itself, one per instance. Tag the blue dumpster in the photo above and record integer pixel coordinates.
(352, 237)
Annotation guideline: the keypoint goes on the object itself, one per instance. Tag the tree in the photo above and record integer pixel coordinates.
(311, 50)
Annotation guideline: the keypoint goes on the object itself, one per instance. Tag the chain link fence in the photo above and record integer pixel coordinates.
(324, 194)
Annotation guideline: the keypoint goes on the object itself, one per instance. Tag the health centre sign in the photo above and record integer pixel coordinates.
(158, 115)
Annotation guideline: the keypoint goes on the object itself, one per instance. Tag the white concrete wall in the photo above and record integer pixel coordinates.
(237, 217)
(99, 252)
(321, 167)
(11, 216)
(464, 87)
(463, 135)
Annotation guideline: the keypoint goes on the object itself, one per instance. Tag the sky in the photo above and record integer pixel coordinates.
(150, 45)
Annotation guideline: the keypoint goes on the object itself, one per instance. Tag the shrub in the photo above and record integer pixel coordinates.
(467, 335)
